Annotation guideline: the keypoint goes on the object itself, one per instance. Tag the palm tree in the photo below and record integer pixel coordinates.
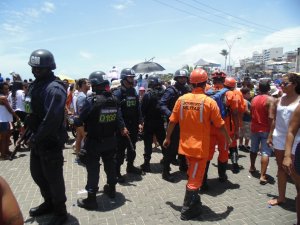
(224, 53)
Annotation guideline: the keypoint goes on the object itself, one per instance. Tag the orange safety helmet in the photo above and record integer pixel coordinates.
(230, 82)
(218, 74)
(198, 76)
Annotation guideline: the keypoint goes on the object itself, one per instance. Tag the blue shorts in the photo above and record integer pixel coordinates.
(260, 138)
(4, 126)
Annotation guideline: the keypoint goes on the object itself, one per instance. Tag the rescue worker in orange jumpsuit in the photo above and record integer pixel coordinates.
(236, 105)
(216, 137)
(233, 149)
(195, 112)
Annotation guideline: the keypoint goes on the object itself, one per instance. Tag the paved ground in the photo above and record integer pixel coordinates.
(150, 200)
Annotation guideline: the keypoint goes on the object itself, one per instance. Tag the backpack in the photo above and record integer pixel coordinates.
(153, 107)
(219, 97)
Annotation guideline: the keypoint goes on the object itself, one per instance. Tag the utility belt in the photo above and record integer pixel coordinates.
(154, 119)
(101, 139)
(100, 144)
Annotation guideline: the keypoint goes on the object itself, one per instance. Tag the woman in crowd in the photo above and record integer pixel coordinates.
(16, 101)
(6, 117)
(291, 161)
(283, 110)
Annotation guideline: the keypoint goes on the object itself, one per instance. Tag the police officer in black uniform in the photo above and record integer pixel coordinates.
(101, 117)
(45, 103)
(153, 119)
(132, 116)
(167, 102)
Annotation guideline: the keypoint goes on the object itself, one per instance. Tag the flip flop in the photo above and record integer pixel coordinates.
(276, 202)
(263, 182)
(252, 171)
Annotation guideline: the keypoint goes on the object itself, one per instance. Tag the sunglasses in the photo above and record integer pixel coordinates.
(285, 84)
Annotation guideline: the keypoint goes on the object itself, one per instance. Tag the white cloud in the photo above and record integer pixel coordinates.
(33, 13)
(16, 22)
(119, 7)
(85, 55)
(11, 28)
(286, 38)
(122, 5)
(48, 7)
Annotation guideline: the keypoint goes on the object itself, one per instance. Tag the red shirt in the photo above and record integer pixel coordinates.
(260, 114)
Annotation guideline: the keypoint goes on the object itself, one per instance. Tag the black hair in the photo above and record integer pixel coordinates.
(264, 86)
(81, 82)
(17, 85)
(218, 79)
(2, 84)
(294, 79)
(245, 90)
(202, 85)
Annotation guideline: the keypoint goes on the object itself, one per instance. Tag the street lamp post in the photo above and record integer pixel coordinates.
(229, 52)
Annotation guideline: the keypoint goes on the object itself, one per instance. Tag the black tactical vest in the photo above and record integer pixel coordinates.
(102, 120)
(153, 112)
(129, 104)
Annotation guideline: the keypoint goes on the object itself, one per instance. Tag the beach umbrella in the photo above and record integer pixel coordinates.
(147, 67)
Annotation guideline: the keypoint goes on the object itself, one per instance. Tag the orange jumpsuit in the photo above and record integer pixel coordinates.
(216, 137)
(238, 96)
(195, 113)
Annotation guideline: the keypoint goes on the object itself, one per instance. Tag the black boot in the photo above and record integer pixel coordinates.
(110, 190)
(222, 171)
(234, 159)
(89, 202)
(146, 165)
(60, 216)
(120, 178)
(191, 205)
(44, 208)
(132, 169)
(182, 163)
(204, 186)
(166, 174)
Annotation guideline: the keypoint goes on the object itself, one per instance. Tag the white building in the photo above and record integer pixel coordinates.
(257, 57)
(272, 53)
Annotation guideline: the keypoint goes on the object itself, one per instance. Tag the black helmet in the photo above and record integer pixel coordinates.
(96, 78)
(42, 58)
(181, 73)
(127, 72)
(153, 82)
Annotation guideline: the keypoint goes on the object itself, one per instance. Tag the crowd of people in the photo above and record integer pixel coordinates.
(190, 120)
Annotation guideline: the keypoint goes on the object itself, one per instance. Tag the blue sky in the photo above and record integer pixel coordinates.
(85, 36)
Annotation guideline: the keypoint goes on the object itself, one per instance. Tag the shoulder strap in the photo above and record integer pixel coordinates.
(174, 89)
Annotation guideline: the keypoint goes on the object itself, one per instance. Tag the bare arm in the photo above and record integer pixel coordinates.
(292, 130)
(10, 211)
(272, 109)
(226, 135)
(9, 109)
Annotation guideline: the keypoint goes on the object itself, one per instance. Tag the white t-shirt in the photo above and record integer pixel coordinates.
(5, 115)
(283, 117)
(17, 102)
